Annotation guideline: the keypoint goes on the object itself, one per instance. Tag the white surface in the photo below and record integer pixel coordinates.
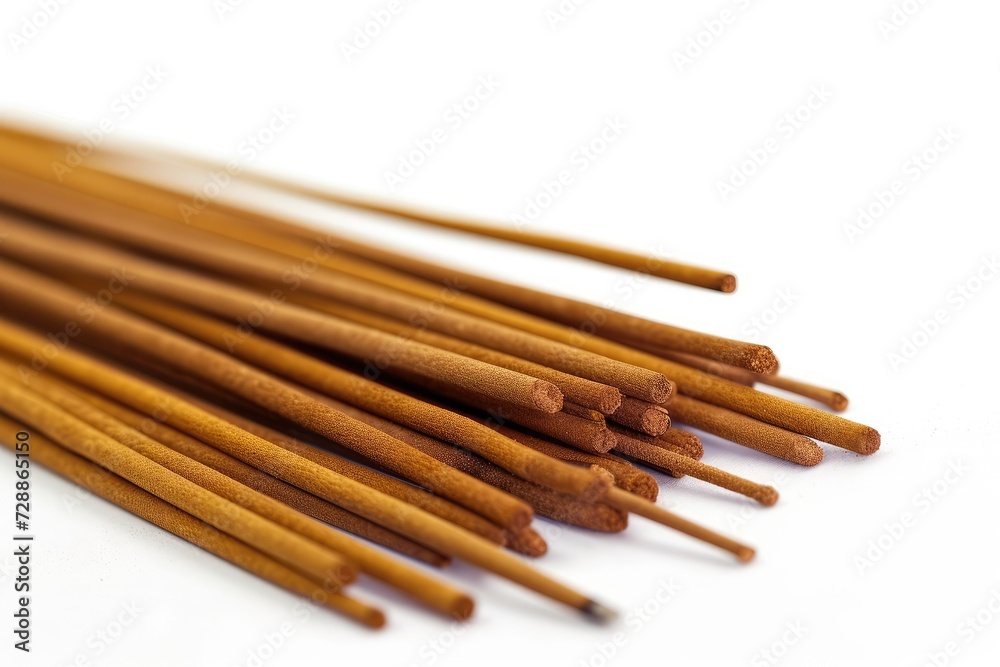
(655, 188)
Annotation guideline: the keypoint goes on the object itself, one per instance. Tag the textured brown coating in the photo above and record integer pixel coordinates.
(229, 220)
(528, 542)
(545, 501)
(585, 413)
(656, 513)
(746, 431)
(264, 267)
(619, 499)
(307, 557)
(586, 434)
(667, 460)
(60, 394)
(115, 328)
(359, 473)
(48, 248)
(773, 409)
(710, 366)
(383, 401)
(685, 273)
(641, 416)
(627, 476)
(383, 568)
(146, 506)
(680, 441)
(414, 523)
(582, 391)
(828, 397)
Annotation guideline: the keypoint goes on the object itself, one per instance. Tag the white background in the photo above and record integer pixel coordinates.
(655, 189)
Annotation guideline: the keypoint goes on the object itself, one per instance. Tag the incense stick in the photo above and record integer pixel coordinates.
(147, 506)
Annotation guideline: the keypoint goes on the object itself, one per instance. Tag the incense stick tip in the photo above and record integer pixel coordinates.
(546, 396)
(767, 496)
(462, 608)
(806, 452)
(745, 554)
(870, 441)
(838, 401)
(598, 612)
(760, 359)
(727, 284)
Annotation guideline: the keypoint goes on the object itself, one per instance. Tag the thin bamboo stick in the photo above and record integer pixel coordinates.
(746, 431)
(385, 568)
(306, 556)
(416, 524)
(377, 399)
(119, 328)
(789, 415)
(149, 507)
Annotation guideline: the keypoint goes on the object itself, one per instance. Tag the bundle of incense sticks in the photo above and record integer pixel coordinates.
(272, 393)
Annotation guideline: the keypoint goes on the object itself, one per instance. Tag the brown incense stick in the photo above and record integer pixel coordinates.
(641, 416)
(582, 391)
(547, 502)
(666, 459)
(384, 568)
(828, 397)
(268, 268)
(680, 441)
(309, 558)
(383, 401)
(119, 328)
(149, 507)
(762, 406)
(670, 270)
(390, 512)
(747, 432)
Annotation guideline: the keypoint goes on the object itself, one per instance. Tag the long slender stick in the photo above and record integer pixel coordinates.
(390, 512)
(385, 568)
(118, 328)
(149, 507)
(789, 415)
(669, 270)
(308, 557)
(746, 431)
(581, 391)
(271, 270)
(765, 495)
(377, 399)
